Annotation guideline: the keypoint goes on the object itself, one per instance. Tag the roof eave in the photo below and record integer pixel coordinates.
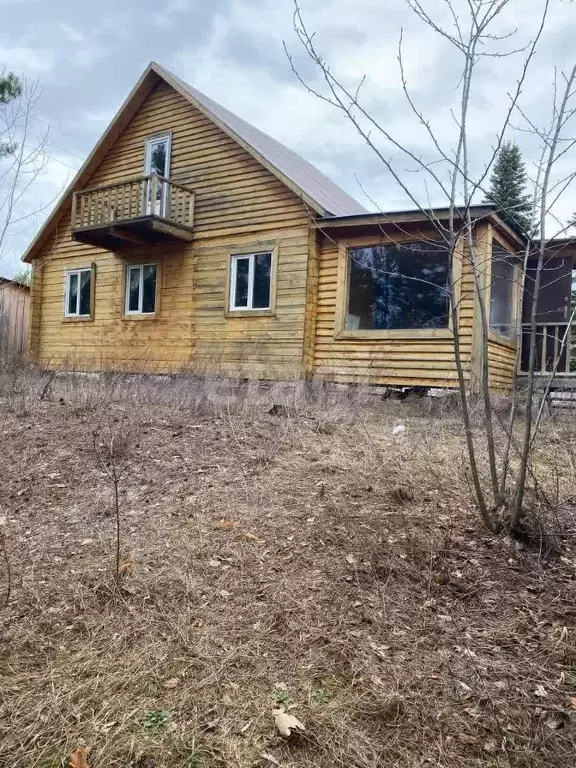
(391, 218)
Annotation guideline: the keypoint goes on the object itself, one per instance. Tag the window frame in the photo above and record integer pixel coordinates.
(343, 289)
(493, 333)
(152, 139)
(76, 316)
(149, 141)
(138, 314)
(251, 252)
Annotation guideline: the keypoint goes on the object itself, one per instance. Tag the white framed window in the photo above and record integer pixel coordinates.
(140, 289)
(78, 297)
(251, 281)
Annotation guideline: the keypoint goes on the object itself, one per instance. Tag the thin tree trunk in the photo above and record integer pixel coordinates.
(527, 440)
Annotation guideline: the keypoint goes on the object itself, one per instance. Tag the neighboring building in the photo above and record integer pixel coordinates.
(14, 318)
(191, 240)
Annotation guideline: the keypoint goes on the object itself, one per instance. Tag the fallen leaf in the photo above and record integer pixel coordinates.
(541, 691)
(85, 542)
(286, 723)
(213, 563)
(251, 537)
(269, 757)
(3, 521)
(573, 702)
(225, 524)
(350, 559)
(380, 650)
(79, 758)
(171, 683)
(126, 566)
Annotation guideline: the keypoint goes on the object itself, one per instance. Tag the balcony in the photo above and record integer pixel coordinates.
(142, 211)
(554, 350)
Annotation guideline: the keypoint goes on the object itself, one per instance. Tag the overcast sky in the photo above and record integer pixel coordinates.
(87, 57)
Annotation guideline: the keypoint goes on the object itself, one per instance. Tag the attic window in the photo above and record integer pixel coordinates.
(398, 287)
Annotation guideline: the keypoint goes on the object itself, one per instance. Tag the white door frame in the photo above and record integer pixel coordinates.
(159, 209)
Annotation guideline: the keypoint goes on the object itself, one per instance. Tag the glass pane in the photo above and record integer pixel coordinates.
(158, 157)
(262, 268)
(149, 287)
(85, 279)
(398, 287)
(502, 292)
(72, 308)
(133, 288)
(241, 292)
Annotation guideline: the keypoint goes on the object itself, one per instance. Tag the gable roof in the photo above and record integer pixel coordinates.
(316, 190)
(303, 175)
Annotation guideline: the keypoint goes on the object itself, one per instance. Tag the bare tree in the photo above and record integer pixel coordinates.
(109, 447)
(23, 157)
(471, 28)
(4, 549)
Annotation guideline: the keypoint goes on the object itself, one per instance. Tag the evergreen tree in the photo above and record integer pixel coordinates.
(10, 88)
(508, 188)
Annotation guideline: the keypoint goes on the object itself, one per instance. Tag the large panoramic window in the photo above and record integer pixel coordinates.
(503, 292)
(78, 292)
(401, 286)
(250, 281)
(141, 290)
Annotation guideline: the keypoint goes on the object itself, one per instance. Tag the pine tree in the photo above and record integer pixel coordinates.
(508, 188)
(10, 88)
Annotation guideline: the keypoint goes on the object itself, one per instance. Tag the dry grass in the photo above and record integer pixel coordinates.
(309, 558)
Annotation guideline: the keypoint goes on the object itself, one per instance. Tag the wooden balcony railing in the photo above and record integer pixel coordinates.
(550, 349)
(157, 203)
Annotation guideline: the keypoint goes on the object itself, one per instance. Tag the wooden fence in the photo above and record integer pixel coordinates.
(14, 318)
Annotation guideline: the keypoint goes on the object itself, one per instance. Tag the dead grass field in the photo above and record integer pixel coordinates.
(309, 559)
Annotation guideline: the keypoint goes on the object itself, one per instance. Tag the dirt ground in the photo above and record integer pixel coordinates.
(306, 558)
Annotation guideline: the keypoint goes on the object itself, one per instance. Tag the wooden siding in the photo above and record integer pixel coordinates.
(238, 202)
(421, 361)
(14, 319)
(248, 346)
(501, 364)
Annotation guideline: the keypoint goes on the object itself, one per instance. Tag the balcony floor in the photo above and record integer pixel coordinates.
(145, 230)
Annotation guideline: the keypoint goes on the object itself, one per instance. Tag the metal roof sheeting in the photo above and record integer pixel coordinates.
(301, 173)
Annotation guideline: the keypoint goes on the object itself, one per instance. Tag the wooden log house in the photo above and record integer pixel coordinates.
(190, 240)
